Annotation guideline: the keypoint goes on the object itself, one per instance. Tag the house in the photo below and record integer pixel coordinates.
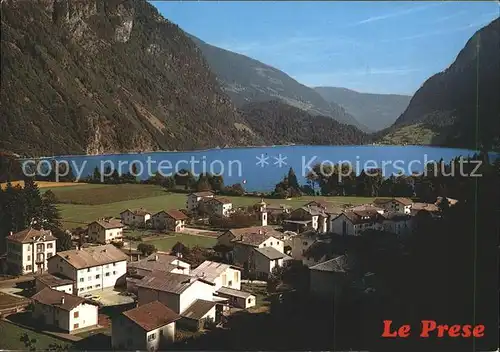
(397, 223)
(55, 282)
(353, 223)
(398, 204)
(266, 259)
(328, 278)
(193, 199)
(308, 216)
(176, 291)
(64, 311)
(416, 207)
(219, 274)
(218, 206)
(105, 231)
(319, 251)
(159, 261)
(301, 242)
(171, 220)
(92, 268)
(28, 250)
(451, 201)
(366, 207)
(236, 298)
(135, 217)
(241, 243)
(200, 314)
(150, 327)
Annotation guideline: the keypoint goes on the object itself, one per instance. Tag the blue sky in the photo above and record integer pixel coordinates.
(379, 47)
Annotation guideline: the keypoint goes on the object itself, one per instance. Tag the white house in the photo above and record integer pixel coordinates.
(171, 220)
(218, 206)
(237, 298)
(188, 296)
(135, 217)
(397, 223)
(194, 198)
(241, 243)
(149, 327)
(92, 268)
(221, 275)
(106, 231)
(54, 282)
(266, 259)
(398, 204)
(353, 223)
(28, 250)
(64, 311)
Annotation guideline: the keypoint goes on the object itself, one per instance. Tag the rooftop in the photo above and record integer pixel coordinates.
(60, 299)
(361, 217)
(209, 270)
(91, 256)
(152, 315)
(425, 206)
(271, 253)
(158, 261)
(52, 280)
(167, 282)
(202, 194)
(235, 293)
(255, 235)
(338, 264)
(222, 200)
(30, 234)
(174, 214)
(198, 309)
(108, 223)
(137, 212)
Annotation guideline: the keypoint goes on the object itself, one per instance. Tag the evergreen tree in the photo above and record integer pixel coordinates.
(292, 180)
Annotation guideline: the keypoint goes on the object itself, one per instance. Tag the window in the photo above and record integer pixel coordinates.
(97, 276)
(29, 257)
(161, 332)
(264, 245)
(107, 274)
(304, 243)
(88, 269)
(29, 248)
(49, 255)
(28, 267)
(81, 289)
(249, 300)
(81, 279)
(114, 264)
(98, 285)
(75, 326)
(49, 245)
(270, 243)
(75, 315)
(152, 337)
(230, 283)
(89, 287)
(114, 272)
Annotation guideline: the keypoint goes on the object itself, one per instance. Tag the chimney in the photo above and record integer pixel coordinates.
(62, 300)
(260, 232)
(241, 237)
(156, 257)
(104, 250)
(11, 233)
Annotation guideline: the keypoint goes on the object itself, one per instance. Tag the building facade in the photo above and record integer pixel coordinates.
(135, 217)
(29, 250)
(105, 231)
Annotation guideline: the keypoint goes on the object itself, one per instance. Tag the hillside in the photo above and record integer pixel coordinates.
(376, 111)
(246, 80)
(102, 76)
(280, 123)
(458, 107)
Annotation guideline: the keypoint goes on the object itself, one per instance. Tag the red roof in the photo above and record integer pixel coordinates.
(152, 315)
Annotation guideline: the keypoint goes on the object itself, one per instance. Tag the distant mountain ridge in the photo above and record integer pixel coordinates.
(246, 80)
(459, 107)
(376, 111)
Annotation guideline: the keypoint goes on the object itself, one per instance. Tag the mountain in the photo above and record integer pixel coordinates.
(280, 123)
(104, 76)
(459, 107)
(376, 111)
(246, 80)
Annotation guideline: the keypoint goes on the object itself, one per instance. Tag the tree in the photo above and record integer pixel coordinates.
(146, 249)
(63, 242)
(292, 180)
(28, 342)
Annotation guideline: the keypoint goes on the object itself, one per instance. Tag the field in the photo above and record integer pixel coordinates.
(83, 204)
(10, 334)
(43, 184)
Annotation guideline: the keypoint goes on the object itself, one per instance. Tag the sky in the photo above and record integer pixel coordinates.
(375, 47)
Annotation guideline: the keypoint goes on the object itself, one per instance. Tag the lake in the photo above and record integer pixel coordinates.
(260, 168)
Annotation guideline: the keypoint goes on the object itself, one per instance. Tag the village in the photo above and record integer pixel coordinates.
(159, 294)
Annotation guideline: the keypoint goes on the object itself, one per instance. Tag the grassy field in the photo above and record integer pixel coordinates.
(10, 334)
(43, 184)
(96, 201)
